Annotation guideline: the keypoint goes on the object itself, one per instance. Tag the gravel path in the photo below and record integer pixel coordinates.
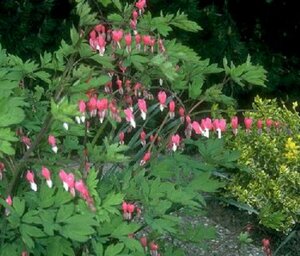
(225, 244)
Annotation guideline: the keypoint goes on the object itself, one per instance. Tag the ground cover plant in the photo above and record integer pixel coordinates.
(93, 135)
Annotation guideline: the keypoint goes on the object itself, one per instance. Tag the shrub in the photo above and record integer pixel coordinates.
(90, 138)
(269, 175)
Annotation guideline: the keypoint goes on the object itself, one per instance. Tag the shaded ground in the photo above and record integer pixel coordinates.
(229, 223)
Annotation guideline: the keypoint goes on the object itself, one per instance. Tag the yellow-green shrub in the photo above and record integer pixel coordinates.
(269, 180)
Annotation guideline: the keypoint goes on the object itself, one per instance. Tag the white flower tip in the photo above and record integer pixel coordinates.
(219, 133)
(66, 126)
(174, 147)
(132, 122)
(54, 149)
(143, 115)
(77, 118)
(172, 115)
(49, 183)
(7, 212)
(33, 186)
(161, 107)
(82, 119)
(65, 185)
(101, 120)
(161, 82)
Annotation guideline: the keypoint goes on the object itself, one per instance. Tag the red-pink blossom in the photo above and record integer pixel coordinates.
(130, 117)
(138, 39)
(128, 41)
(120, 86)
(82, 189)
(259, 124)
(135, 14)
(101, 43)
(133, 24)
(220, 126)
(248, 123)
(30, 179)
(172, 109)
(143, 138)
(269, 123)
(68, 180)
(143, 108)
(52, 143)
(175, 142)
(234, 122)
(140, 4)
(197, 127)
(26, 141)
(137, 89)
(130, 208)
(153, 248)
(121, 137)
(100, 28)
(52, 140)
(143, 241)
(162, 97)
(146, 158)
(92, 106)
(181, 112)
(206, 125)
(117, 35)
(102, 106)
(114, 111)
(8, 200)
(46, 174)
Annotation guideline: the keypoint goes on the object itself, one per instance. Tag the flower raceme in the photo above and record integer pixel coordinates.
(128, 210)
(135, 100)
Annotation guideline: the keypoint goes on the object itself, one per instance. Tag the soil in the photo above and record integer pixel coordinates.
(229, 222)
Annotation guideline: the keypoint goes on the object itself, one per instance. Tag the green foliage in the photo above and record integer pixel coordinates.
(246, 73)
(270, 184)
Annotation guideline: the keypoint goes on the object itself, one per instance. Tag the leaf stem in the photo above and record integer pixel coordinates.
(99, 132)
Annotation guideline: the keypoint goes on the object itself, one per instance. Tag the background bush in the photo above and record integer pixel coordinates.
(269, 178)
